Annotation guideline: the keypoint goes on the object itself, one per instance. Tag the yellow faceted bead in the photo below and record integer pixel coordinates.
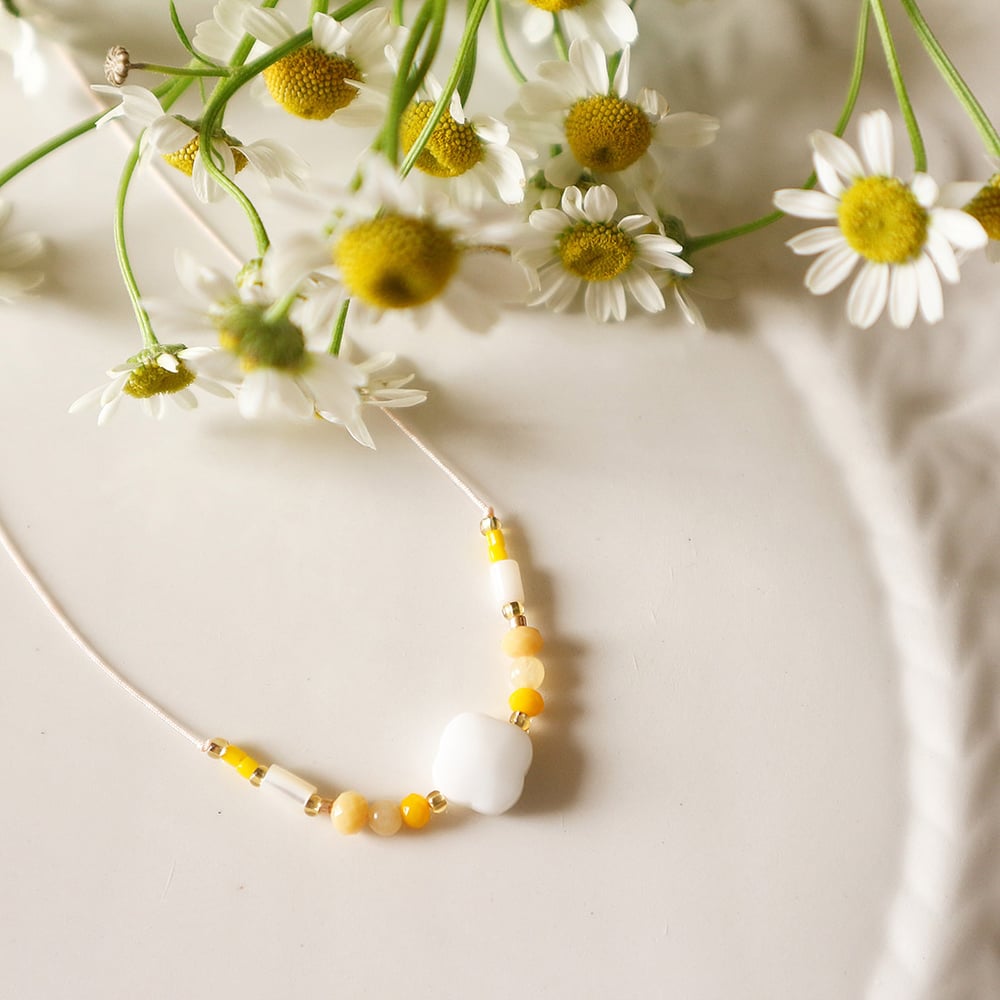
(415, 811)
(349, 813)
(528, 701)
(522, 640)
(497, 545)
(527, 672)
(385, 818)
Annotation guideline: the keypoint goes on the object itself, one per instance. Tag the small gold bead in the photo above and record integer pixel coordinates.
(512, 610)
(521, 720)
(216, 748)
(517, 621)
(318, 804)
(437, 802)
(488, 524)
(258, 776)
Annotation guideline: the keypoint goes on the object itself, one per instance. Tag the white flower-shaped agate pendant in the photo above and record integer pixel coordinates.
(481, 762)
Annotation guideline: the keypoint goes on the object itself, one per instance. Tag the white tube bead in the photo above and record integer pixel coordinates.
(291, 785)
(507, 586)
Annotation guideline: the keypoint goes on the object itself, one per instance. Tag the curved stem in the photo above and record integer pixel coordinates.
(466, 51)
(953, 78)
(400, 95)
(501, 33)
(559, 38)
(180, 70)
(853, 89)
(902, 97)
(338, 330)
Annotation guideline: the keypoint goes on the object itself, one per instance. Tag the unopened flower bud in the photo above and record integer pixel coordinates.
(116, 65)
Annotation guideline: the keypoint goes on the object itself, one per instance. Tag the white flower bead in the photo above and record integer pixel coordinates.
(481, 762)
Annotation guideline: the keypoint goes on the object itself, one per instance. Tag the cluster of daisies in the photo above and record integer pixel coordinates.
(564, 203)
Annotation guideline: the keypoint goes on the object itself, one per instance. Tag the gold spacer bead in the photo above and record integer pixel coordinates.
(512, 610)
(521, 720)
(517, 620)
(258, 776)
(437, 801)
(488, 524)
(317, 804)
(216, 748)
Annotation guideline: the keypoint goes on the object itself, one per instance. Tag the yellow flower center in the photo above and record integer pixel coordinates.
(596, 251)
(311, 83)
(149, 379)
(183, 159)
(259, 342)
(607, 133)
(453, 147)
(985, 207)
(556, 5)
(396, 261)
(882, 220)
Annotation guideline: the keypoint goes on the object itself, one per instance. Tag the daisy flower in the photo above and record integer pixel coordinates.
(610, 23)
(905, 242)
(471, 156)
(586, 244)
(18, 254)
(983, 205)
(218, 37)
(20, 41)
(266, 346)
(177, 140)
(345, 70)
(153, 376)
(579, 107)
(400, 246)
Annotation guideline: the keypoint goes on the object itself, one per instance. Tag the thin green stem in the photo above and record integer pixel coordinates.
(854, 87)
(466, 50)
(559, 38)
(181, 70)
(952, 77)
(397, 12)
(902, 97)
(468, 74)
(501, 33)
(400, 95)
(338, 329)
(11, 8)
(319, 7)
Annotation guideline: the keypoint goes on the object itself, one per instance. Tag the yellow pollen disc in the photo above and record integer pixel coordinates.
(183, 158)
(149, 379)
(985, 207)
(882, 220)
(453, 147)
(596, 251)
(556, 5)
(396, 261)
(607, 133)
(311, 83)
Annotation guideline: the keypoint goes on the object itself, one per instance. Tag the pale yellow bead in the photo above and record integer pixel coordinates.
(527, 672)
(349, 813)
(384, 817)
(522, 640)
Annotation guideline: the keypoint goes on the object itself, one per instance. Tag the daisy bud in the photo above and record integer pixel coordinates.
(985, 207)
(117, 65)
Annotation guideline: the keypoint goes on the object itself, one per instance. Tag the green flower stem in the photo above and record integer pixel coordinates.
(319, 7)
(953, 78)
(854, 87)
(280, 309)
(468, 74)
(397, 12)
(11, 8)
(73, 132)
(338, 329)
(559, 37)
(401, 94)
(501, 33)
(181, 70)
(902, 97)
(466, 52)
(439, 11)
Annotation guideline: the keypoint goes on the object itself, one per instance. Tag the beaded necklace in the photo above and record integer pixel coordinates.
(481, 761)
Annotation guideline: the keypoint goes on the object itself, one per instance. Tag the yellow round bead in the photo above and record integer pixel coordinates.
(522, 640)
(415, 811)
(384, 817)
(527, 672)
(528, 701)
(349, 813)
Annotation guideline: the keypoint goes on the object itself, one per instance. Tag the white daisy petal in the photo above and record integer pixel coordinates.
(687, 130)
(868, 295)
(904, 295)
(619, 85)
(931, 299)
(940, 251)
(925, 189)
(875, 140)
(839, 154)
(589, 61)
(830, 269)
(600, 203)
(272, 27)
(328, 34)
(806, 204)
(644, 289)
(816, 240)
(959, 228)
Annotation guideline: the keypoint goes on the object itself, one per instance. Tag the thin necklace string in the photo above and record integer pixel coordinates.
(47, 598)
